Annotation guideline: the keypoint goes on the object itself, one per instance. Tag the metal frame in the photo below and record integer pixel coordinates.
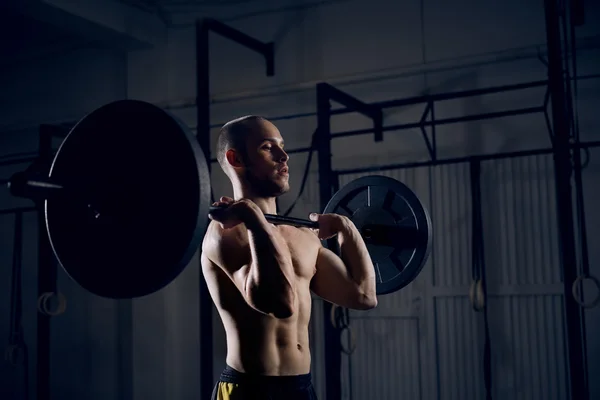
(458, 160)
(329, 182)
(328, 185)
(203, 29)
(329, 178)
(46, 273)
(47, 268)
(428, 118)
(577, 370)
(561, 148)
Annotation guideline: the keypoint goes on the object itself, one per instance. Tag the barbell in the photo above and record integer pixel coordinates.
(127, 199)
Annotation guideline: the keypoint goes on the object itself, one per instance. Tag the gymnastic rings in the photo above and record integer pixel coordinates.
(477, 295)
(349, 349)
(343, 326)
(578, 296)
(43, 304)
(338, 321)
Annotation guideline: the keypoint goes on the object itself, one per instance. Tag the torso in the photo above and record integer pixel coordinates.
(259, 343)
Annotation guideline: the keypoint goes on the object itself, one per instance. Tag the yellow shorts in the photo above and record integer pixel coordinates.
(235, 385)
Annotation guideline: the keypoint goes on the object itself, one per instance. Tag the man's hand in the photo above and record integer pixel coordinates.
(329, 224)
(234, 212)
(352, 269)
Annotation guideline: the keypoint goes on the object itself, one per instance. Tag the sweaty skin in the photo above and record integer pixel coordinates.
(260, 276)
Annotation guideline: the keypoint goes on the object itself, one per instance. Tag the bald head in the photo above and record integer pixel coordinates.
(233, 135)
(250, 151)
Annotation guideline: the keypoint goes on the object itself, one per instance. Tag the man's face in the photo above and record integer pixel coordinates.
(265, 161)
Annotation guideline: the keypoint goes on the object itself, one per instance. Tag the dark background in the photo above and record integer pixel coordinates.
(60, 60)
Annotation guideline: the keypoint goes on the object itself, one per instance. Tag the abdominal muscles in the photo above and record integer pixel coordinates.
(262, 344)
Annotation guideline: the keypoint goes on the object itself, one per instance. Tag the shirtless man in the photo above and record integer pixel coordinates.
(260, 276)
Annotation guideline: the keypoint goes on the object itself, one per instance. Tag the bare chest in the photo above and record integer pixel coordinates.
(303, 246)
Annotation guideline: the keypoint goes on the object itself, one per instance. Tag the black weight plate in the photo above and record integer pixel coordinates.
(394, 224)
(143, 193)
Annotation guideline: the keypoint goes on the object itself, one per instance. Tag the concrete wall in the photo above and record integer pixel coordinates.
(375, 50)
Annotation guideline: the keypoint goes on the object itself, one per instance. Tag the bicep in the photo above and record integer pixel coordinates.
(332, 281)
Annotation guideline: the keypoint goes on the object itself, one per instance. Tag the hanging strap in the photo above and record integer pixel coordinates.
(477, 293)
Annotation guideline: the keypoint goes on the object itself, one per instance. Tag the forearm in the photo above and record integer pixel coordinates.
(355, 255)
(270, 283)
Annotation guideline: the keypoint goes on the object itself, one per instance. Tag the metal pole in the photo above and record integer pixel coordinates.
(563, 170)
(438, 122)
(458, 160)
(333, 353)
(203, 136)
(17, 210)
(46, 273)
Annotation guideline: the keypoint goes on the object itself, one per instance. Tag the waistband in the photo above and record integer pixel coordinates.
(294, 382)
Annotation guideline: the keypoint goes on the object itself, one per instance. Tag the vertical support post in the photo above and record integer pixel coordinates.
(333, 353)
(203, 28)
(46, 272)
(124, 371)
(433, 135)
(563, 169)
(203, 137)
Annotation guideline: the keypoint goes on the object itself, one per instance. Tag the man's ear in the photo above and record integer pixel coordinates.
(234, 159)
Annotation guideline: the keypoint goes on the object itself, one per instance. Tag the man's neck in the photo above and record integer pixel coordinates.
(268, 205)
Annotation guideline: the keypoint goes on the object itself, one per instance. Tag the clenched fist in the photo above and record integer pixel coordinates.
(329, 224)
(233, 213)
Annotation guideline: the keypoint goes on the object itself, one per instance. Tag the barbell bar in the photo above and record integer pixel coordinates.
(127, 199)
